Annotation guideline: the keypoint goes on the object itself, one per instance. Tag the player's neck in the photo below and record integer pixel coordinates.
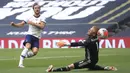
(36, 15)
(92, 36)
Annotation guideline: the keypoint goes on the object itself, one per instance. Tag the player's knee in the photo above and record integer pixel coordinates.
(71, 66)
(35, 50)
(28, 45)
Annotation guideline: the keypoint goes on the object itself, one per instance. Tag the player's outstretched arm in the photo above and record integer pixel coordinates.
(74, 44)
(21, 24)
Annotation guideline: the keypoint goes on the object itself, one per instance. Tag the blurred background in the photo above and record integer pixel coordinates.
(67, 20)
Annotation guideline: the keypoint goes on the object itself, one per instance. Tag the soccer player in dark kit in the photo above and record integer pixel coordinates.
(91, 44)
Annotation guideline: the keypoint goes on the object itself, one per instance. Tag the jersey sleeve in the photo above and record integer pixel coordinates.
(43, 19)
(81, 43)
(84, 42)
(77, 44)
(26, 20)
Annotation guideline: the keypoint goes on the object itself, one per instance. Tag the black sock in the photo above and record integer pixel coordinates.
(97, 67)
(23, 56)
(61, 69)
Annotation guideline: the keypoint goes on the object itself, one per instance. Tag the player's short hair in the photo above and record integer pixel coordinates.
(34, 5)
(96, 28)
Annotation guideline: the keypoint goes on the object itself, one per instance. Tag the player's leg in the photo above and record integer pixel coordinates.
(95, 67)
(34, 49)
(27, 45)
(76, 65)
(108, 68)
(33, 52)
(60, 69)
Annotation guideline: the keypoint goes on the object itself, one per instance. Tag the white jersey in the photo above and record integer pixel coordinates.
(34, 30)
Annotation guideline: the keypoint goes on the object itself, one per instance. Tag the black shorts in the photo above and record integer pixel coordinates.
(84, 64)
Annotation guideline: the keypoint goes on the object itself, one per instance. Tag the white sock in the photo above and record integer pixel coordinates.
(23, 55)
(21, 61)
(30, 54)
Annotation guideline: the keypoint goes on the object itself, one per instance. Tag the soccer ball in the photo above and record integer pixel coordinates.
(102, 33)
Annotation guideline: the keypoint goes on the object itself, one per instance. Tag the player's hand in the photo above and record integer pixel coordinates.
(12, 23)
(31, 23)
(60, 44)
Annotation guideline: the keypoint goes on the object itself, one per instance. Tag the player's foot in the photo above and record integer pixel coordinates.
(49, 68)
(21, 66)
(110, 68)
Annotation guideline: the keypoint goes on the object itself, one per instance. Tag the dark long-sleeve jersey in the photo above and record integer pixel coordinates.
(91, 45)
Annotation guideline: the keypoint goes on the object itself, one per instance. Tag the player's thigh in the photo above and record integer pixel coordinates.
(28, 41)
(81, 64)
(28, 45)
(35, 46)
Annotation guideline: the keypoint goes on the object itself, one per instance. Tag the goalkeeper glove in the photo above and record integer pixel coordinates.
(61, 44)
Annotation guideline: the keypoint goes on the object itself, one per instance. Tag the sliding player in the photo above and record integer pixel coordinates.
(91, 45)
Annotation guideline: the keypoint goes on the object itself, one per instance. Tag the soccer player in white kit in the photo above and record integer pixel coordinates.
(36, 24)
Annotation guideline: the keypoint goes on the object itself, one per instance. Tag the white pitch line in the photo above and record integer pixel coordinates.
(55, 57)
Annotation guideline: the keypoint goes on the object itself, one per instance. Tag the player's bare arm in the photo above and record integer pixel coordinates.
(21, 24)
(41, 24)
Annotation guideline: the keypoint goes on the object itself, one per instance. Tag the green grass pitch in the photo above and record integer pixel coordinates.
(9, 58)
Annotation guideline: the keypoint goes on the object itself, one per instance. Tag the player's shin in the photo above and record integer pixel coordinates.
(61, 69)
(22, 56)
(24, 52)
(96, 67)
